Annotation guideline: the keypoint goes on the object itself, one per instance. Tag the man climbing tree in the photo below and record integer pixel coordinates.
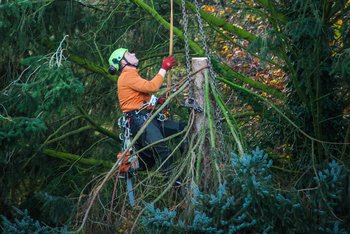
(136, 102)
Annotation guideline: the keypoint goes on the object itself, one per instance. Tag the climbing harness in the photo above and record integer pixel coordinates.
(129, 163)
(153, 102)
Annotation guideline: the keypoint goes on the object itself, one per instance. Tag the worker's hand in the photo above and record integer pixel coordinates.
(161, 100)
(168, 63)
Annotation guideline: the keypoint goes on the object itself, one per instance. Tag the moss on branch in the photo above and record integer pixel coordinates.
(97, 126)
(88, 65)
(77, 158)
(224, 69)
(221, 23)
(195, 47)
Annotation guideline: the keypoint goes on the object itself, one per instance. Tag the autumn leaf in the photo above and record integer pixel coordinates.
(340, 22)
(253, 19)
(209, 8)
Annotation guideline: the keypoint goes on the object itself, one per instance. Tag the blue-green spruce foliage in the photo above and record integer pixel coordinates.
(43, 91)
(250, 201)
(24, 224)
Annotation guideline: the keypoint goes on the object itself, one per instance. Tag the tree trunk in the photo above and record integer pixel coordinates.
(203, 167)
(198, 91)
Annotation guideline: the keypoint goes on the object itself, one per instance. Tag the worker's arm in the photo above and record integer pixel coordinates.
(146, 86)
(152, 86)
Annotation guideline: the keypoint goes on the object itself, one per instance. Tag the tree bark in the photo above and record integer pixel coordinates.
(203, 167)
(198, 91)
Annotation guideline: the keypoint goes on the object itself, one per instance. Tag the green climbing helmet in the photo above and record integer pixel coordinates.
(116, 57)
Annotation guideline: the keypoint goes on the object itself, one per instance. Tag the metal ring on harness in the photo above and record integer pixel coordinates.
(161, 117)
(127, 133)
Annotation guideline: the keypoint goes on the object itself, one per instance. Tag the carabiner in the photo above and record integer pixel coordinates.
(161, 117)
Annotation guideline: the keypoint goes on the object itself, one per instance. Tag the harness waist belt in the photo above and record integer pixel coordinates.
(137, 112)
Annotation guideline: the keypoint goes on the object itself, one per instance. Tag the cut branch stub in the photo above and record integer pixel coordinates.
(201, 124)
(198, 90)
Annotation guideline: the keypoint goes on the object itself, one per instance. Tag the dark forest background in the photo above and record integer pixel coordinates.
(277, 158)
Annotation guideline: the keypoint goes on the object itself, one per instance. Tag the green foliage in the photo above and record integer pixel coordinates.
(55, 209)
(53, 87)
(26, 224)
(311, 46)
(341, 67)
(48, 91)
(329, 197)
(17, 25)
(19, 128)
(39, 91)
(248, 202)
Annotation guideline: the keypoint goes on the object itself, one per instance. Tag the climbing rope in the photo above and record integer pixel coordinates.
(170, 44)
(187, 48)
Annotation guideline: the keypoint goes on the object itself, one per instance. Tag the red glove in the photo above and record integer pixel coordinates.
(161, 100)
(168, 63)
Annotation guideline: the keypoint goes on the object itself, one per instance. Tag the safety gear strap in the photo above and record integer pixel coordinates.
(127, 64)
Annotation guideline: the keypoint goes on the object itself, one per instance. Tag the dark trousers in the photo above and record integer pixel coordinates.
(154, 132)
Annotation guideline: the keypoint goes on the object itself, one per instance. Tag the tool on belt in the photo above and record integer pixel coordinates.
(129, 163)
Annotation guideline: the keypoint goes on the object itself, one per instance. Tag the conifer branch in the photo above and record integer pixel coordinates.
(221, 23)
(90, 66)
(161, 20)
(79, 130)
(228, 72)
(97, 126)
(195, 47)
(74, 157)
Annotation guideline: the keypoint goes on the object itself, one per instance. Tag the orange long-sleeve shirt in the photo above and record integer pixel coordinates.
(133, 90)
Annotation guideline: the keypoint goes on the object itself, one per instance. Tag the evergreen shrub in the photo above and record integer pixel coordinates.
(26, 224)
(250, 201)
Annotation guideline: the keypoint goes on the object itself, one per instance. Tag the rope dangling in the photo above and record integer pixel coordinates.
(170, 45)
(166, 111)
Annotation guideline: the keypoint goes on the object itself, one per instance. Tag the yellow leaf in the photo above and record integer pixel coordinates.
(238, 26)
(253, 18)
(207, 8)
(340, 21)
